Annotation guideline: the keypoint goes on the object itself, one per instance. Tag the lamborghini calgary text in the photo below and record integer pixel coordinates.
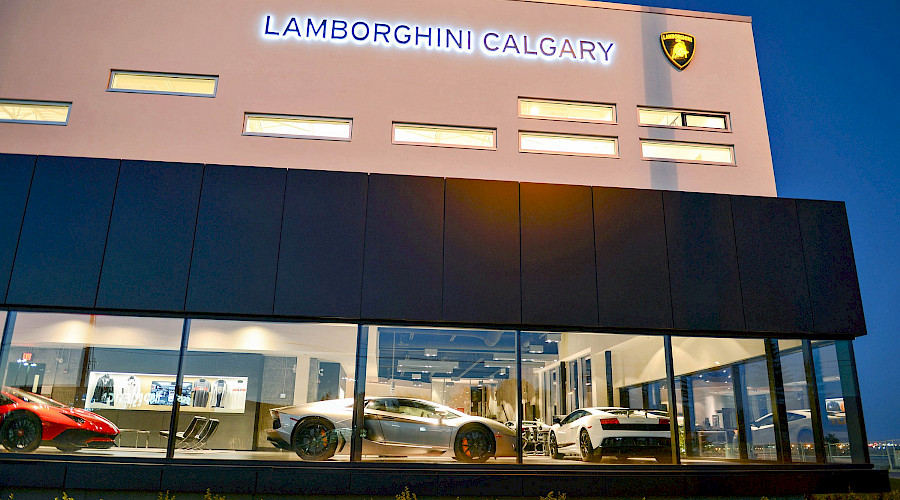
(460, 40)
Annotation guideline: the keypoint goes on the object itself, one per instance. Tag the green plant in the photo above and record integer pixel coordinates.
(406, 494)
(161, 496)
(64, 497)
(210, 496)
(554, 496)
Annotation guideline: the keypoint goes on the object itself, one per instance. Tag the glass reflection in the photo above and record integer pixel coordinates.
(831, 401)
(83, 383)
(269, 391)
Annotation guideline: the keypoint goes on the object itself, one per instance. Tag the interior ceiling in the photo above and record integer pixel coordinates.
(461, 354)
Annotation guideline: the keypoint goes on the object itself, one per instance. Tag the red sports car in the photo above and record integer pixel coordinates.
(27, 420)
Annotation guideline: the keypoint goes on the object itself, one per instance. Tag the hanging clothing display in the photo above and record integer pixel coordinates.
(200, 394)
(219, 394)
(104, 391)
(130, 393)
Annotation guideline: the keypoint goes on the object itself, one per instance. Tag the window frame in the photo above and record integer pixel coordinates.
(394, 141)
(614, 121)
(615, 140)
(684, 113)
(67, 104)
(733, 163)
(113, 72)
(248, 115)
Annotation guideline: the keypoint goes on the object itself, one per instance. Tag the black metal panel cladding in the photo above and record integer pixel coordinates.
(830, 268)
(703, 268)
(374, 247)
(632, 270)
(559, 282)
(63, 236)
(323, 230)
(15, 177)
(404, 248)
(481, 252)
(236, 243)
(770, 255)
(148, 252)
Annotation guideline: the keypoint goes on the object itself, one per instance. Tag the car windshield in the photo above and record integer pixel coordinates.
(33, 398)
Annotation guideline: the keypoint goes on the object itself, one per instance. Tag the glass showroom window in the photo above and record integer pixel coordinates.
(85, 384)
(440, 395)
(833, 388)
(723, 400)
(267, 391)
(797, 402)
(594, 398)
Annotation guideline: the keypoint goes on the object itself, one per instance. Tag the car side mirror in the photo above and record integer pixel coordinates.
(556, 420)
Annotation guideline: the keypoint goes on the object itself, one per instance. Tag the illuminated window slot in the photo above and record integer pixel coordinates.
(579, 145)
(445, 136)
(655, 117)
(36, 112)
(298, 127)
(163, 83)
(687, 152)
(567, 111)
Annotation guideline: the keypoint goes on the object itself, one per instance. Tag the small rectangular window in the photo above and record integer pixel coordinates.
(567, 111)
(565, 144)
(656, 117)
(298, 127)
(687, 152)
(447, 136)
(162, 83)
(38, 112)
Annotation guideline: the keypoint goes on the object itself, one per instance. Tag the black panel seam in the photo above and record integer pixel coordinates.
(665, 228)
(280, 237)
(112, 209)
(187, 288)
(443, 244)
(362, 274)
(521, 265)
(12, 266)
(812, 314)
(737, 258)
(596, 250)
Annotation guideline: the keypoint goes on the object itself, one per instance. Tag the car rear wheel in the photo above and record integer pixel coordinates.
(21, 432)
(554, 447)
(587, 449)
(314, 439)
(474, 443)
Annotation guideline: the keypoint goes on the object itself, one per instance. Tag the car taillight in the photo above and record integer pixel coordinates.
(664, 421)
(609, 421)
(76, 419)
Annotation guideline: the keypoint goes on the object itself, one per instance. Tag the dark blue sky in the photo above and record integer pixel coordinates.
(830, 75)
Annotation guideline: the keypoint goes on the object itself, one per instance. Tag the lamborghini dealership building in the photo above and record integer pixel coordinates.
(494, 247)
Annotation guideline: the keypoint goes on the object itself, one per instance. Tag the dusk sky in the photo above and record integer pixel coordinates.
(830, 76)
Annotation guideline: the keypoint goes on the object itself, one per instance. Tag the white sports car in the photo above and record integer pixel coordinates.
(395, 427)
(593, 433)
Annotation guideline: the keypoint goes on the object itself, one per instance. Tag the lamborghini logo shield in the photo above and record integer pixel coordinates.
(678, 47)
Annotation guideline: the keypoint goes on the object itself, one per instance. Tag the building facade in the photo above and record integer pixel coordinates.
(502, 248)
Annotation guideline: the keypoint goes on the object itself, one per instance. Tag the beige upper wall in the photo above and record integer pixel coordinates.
(63, 51)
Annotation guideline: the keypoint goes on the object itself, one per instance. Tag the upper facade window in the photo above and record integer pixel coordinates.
(39, 112)
(659, 117)
(162, 83)
(569, 111)
(446, 136)
(687, 152)
(298, 127)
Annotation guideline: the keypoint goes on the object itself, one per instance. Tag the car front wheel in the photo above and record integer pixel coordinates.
(314, 439)
(474, 443)
(21, 432)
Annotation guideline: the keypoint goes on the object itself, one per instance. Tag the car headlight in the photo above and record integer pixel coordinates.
(77, 419)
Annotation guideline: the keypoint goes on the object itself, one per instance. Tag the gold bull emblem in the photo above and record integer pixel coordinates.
(678, 47)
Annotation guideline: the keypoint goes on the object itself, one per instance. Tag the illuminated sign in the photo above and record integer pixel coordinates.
(440, 38)
(678, 47)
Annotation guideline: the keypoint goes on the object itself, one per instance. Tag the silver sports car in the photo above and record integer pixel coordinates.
(396, 427)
